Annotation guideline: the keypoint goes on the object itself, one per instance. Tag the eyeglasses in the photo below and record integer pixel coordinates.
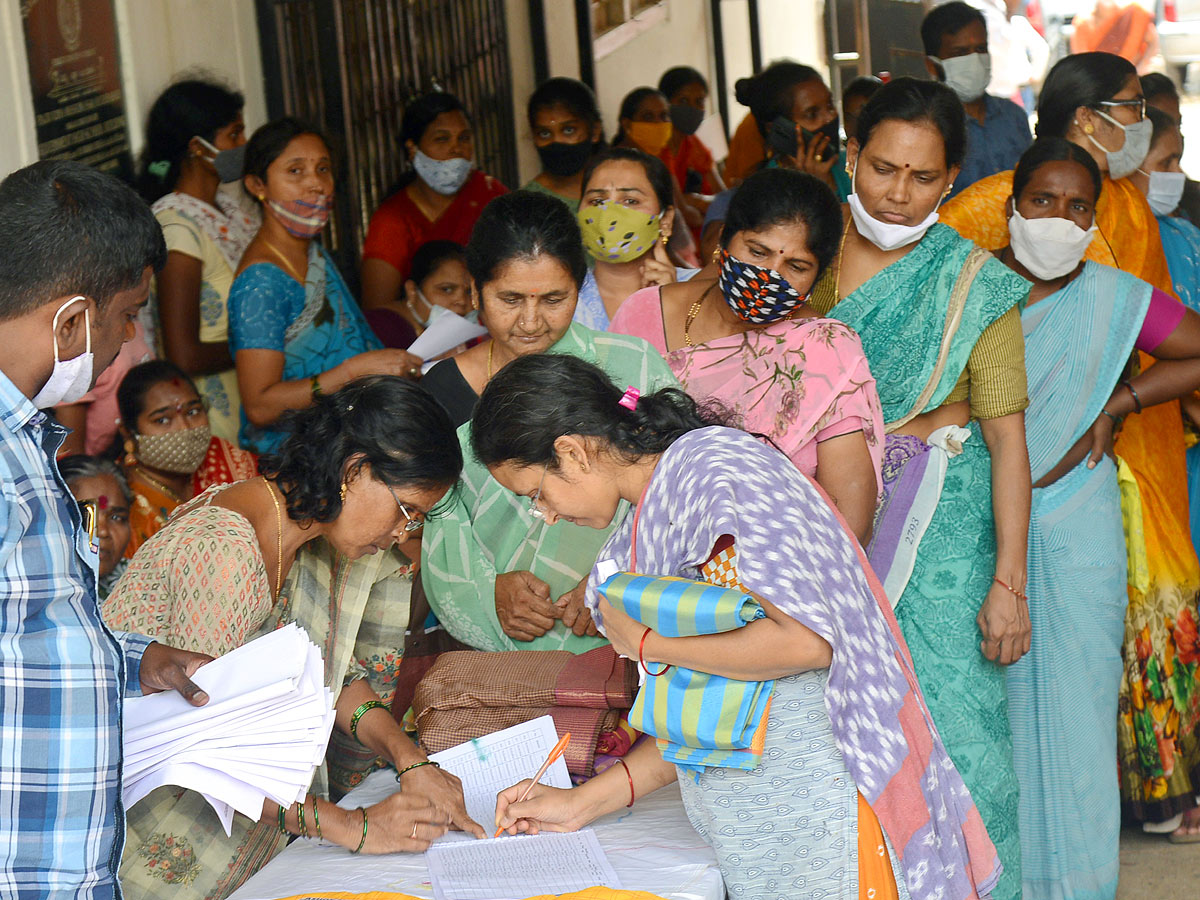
(412, 524)
(1138, 103)
(534, 510)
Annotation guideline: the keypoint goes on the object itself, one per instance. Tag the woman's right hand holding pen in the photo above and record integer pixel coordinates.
(545, 809)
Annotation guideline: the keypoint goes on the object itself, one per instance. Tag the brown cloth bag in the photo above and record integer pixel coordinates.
(466, 695)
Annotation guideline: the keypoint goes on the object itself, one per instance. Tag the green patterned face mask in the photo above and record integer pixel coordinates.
(615, 233)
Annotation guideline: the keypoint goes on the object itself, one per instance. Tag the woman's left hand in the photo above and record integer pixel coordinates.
(445, 792)
(1103, 433)
(623, 631)
(1004, 621)
(657, 268)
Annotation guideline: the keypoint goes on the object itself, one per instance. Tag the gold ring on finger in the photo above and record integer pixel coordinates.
(414, 834)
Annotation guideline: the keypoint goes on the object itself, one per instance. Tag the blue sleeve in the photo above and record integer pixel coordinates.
(262, 303)
(718, 208)
(134, 646)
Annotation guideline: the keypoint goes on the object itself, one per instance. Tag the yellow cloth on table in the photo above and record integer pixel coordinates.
(594, 893)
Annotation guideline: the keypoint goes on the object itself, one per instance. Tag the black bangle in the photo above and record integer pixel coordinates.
(1137, 401)
(1116, 419)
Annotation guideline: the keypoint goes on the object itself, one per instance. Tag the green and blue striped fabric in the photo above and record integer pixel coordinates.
(699, 719)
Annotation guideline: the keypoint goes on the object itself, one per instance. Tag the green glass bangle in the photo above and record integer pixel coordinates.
(300, 816)
(315, 384)
(317, 819)
(417, 765)
(363, 842)
(282, 821)
(361, 711)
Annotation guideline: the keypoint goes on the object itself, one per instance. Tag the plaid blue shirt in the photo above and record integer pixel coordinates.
(62, 827)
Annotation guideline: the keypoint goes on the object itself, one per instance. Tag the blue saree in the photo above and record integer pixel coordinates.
(900, 315)
(1181, 244)
(1062, 695)
(315, 326)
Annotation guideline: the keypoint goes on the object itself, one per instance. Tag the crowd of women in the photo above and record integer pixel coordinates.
(938, 447)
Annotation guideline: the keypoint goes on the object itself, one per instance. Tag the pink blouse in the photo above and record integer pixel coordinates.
(798, 382)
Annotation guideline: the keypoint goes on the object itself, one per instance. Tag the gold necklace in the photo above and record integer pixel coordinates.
(693, 311)
(837, 273)
(162, 486)
(491, 347)
(287, 262)
(278, 545)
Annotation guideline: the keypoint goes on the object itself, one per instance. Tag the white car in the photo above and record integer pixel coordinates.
(1178, 23)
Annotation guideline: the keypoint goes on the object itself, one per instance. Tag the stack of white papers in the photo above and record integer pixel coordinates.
(261, 734)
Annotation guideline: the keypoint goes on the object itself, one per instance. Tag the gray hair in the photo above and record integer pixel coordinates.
(80, 465)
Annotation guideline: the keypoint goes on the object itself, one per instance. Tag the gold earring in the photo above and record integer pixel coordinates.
(130, 457)
(716, 254)
(1088, 129)
(262, 198)
(666, 237)
(949, 188)
(343, 492)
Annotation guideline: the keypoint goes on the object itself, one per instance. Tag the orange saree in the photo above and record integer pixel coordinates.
(1159, 719)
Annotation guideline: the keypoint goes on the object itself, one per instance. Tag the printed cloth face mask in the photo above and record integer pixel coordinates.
(1049, 248)
(650, 136)
(968, 75)
(71, 378)
(228, 163)
(1166, 190)
(180, 452)
(616, 233)
(446, 176)
(301, 218)
(886, 235)
(1137, 144)
(757, 294)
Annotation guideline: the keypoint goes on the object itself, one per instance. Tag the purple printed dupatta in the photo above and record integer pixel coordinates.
(794, 550)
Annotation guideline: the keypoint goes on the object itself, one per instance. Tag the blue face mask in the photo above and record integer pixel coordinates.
(446, 176)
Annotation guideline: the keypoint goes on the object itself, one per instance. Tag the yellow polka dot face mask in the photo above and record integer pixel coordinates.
(616, 233)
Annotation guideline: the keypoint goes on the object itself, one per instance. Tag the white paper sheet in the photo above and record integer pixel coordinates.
(445, 333)
(491, 763)
(260, 736)
(509, 868)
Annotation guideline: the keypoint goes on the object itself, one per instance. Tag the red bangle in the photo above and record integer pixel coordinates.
(630, 777)
(1010, 589)
(642, 660)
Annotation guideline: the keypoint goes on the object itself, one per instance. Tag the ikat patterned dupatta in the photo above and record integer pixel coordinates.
(794, 550)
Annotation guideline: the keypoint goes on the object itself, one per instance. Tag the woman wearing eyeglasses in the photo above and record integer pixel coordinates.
(358, 472)
(496, 577)
(1095, 100)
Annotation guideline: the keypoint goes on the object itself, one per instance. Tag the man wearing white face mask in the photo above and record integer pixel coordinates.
(77, 250)
(956, 53)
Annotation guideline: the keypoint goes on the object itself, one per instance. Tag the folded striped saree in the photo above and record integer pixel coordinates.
(699, 719)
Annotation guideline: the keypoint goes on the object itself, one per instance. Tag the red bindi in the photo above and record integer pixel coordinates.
(102, 502)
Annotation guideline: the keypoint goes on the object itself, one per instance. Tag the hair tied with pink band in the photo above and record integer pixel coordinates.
(630, 398)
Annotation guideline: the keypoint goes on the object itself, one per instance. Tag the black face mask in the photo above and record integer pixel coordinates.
(562, 160)
(686, 119)
(831, 130)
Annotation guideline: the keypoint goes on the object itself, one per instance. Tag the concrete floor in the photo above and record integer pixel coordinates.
(1152, 868)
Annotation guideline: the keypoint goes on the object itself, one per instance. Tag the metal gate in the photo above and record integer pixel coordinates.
(350, 66)
(872, 36)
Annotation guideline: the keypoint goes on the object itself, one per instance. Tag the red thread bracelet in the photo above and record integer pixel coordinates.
(630, 777)
(1010, 589)
(642, 660)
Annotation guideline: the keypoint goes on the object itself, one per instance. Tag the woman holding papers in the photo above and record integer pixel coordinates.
(358, 472)
(845, 788)
(496, 577)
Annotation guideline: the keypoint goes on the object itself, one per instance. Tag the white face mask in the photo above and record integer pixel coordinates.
(967, 76)
(1166, 190)
(71, 378)
(1048, 248)
(1137, 144)
(886, 235)
(445, 176)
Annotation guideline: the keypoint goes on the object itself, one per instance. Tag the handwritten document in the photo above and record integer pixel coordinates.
(509, 868)
(491, 763)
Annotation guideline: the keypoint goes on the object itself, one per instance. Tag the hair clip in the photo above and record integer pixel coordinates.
(159, 169)
(630, 398)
